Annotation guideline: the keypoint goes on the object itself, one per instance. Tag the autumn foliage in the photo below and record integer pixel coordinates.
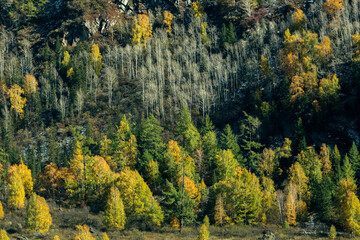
(141, 30)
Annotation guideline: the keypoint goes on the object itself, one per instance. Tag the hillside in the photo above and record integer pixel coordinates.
(147, 117)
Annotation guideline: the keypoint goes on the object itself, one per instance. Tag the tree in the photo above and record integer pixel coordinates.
(95, 59)
(347, 170)
(226, 165)
(300, 182)
(17, 101)
(187, 132)
(324, 50)
(290, 209)
(229, 140)
(204, 233)
(175, 223)
(25, 174)
(114, 216)
(38, 214)
(266, 164)
(206, 221)
(1, 212)
(56, 237)
(141, 29)
(168, 21)
(83, 233)
(299, 20)
(249, 127)
(332, 232)
(30, 84)
(325, 160)
(354, 158)
(16, 191)
(220, 214)
(333, 7)
(153, 173)
(110, 76)
(105, 236)
(3, 235)
(197, 9)
(356, 42)
(348, 205)
(139, 203)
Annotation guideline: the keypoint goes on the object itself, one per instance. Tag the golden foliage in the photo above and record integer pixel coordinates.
(66, 60)
(95, 58)
(226, 164)
(266, 164)
(141, 29)
(168, 21)
(333, 7)
(296, 87)
(56, 237)
(3, 235)
(105, 237)
(43, 215)
(114, 215)
(266, 71)
(324, 50)
(220, 214)
(356, 42)
(300, 181)
(83, 233)
(197, 9)
(190, 188)
(299, 20)
(16, 191)
(325, 159)
(1, 212)
(17, 101)
(30, 84)
(175, 223)
(290, 209)
(204, 233)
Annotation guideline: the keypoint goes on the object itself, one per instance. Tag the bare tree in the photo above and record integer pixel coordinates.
(110, 78)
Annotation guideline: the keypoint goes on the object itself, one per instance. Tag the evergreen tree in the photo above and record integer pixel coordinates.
(229, 140)
(150, 139)
(231, 34)
(207, 125)
(354, 158)
(114, 216)
(347, 170)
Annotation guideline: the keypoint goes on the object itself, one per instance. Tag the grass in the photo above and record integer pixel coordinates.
(65, 220)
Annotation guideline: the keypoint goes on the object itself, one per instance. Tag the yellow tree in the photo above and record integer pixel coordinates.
(105, 237)
(325, 159)
(17, 101)
(95, 58)
(348, 205)
(168, 21)
(290, 209)
(226, 164)
(174, 222)
(114, 216)
(25, 174)
(356, 42)
(141, 29)
(153, 173)
(38, 214)
(30, 84)
(266, 164)
(83, 233)
(16, 191)
(220, 214)
(197, 9)
(56, 237)
(66, 60)
(3, 235)
(333, 7)
(300, 181)
(299, 20)
(324, 50)
(1, 212)
(204, 233)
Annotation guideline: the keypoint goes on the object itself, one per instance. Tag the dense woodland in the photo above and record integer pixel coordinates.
(154, 114)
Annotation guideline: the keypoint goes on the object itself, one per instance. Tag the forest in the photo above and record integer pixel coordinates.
(206, 119)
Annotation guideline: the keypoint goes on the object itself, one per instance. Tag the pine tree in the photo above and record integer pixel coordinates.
(354, 158)
(226, 165)
(220, 214)
(83, 233)
(206, 221)
(187, 132)
(347, 170)
(325, 160)
(229, 140)
(153, 173)
(204, 233)
(114, 216)
(3, 235)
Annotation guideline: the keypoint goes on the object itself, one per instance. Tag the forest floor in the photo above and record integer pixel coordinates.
(65, 220)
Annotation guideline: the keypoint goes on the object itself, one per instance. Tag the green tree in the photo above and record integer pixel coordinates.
(347, 170)
(226, 165)
(354, 158)
(187, 132)
(229, 140)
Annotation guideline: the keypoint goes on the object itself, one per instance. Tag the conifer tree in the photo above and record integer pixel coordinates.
(114, 216)
(206, 126)
(187, 132)
(347, 170)
(220, 214)
(354, 158)
(226, 165)
(229, 140)
(204, 233)
(332, 232)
